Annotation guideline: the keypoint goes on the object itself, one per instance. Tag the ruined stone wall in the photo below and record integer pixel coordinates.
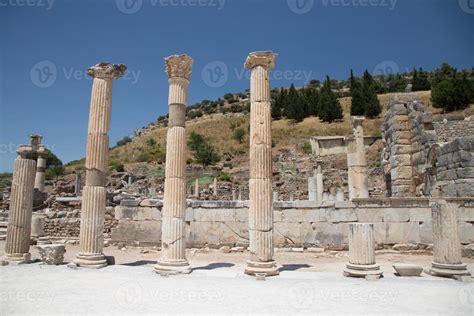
(452, 169)
(298, 223)
(408, 134)
(448, 131)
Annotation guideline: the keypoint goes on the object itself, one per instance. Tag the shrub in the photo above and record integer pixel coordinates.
(239, 135)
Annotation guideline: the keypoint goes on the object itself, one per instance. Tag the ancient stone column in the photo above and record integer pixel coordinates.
(40, 162)
(260, 183)
(196, 188)
(77, 184)
(215, 187)
(447, 252)
(362, 252)
(234, 195)
(17, 246)
(312, 188)
(97, 151)
(319, 184)
(358, 180)
(173, 257)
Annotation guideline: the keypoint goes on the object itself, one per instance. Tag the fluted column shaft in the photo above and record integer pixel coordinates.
(17, 244)
(260, 183)
(40, 172)
(361, 244)
(447, 253)
(362, 252)
(94, 192)
(173, 255)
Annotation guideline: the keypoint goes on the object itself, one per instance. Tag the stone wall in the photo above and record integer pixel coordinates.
(448, 131)
(451, 170)
(333, 145)
(298, 223)
(408, 134)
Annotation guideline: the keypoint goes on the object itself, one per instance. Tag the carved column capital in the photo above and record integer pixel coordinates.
(265, 59)
(107, 71)
(179, 66)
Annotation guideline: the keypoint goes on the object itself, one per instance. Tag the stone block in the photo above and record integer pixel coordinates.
(344, 204)
(402, 233)
(420, 214)
(151, 203)
(125, 231)
(242, 215)
(130, 203)
(301, 215)
(148, 232)
(396, 215)
(125, 212)
(189, 214)
(52, 254)
(338, 215)
(466, 232)
(305, 204)
(330, 234)
(369, 215)
(426, 232)
(213, 215)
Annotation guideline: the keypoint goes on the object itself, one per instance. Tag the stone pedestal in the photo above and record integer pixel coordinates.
(260, 183)
(173, 257)
(196, 188)
(215, 187)
(17, 245)
(77, 184)
(94, 192)
(362, 252)
(37, 225)
(447, 253)
(358, 180)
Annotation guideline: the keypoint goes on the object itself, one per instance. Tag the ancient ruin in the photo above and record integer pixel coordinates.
(94, 193)
(260, 183)
(173, 257)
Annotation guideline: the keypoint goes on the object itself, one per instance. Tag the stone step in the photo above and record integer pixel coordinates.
(3, 223)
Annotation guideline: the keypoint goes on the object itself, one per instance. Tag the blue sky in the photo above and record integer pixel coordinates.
(47, 45)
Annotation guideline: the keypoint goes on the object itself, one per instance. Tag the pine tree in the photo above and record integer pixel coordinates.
(357, 106)
(277, 106)
(330, 108)
(370, 99)
(420, 80)
(312, 101)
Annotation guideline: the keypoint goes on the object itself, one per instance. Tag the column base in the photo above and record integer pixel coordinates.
(17, 258)
(456, 271)
(267, 268)
(173, 267)
(370, 271)
(91, 261)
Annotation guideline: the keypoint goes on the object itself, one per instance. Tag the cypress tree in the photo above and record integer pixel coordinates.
(371, 102)
(357, 105)
(330, 108)
(295, 106)
(277, 106)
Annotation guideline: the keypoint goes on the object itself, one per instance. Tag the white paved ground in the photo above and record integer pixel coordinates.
(40, 289)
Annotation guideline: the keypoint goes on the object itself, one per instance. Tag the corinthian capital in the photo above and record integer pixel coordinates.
(107, 70)
(179, 66)
(265, 59)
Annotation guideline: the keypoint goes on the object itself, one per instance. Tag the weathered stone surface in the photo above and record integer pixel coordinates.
(338, 215)
(408, 270)
(52, 254)
(396, 215)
